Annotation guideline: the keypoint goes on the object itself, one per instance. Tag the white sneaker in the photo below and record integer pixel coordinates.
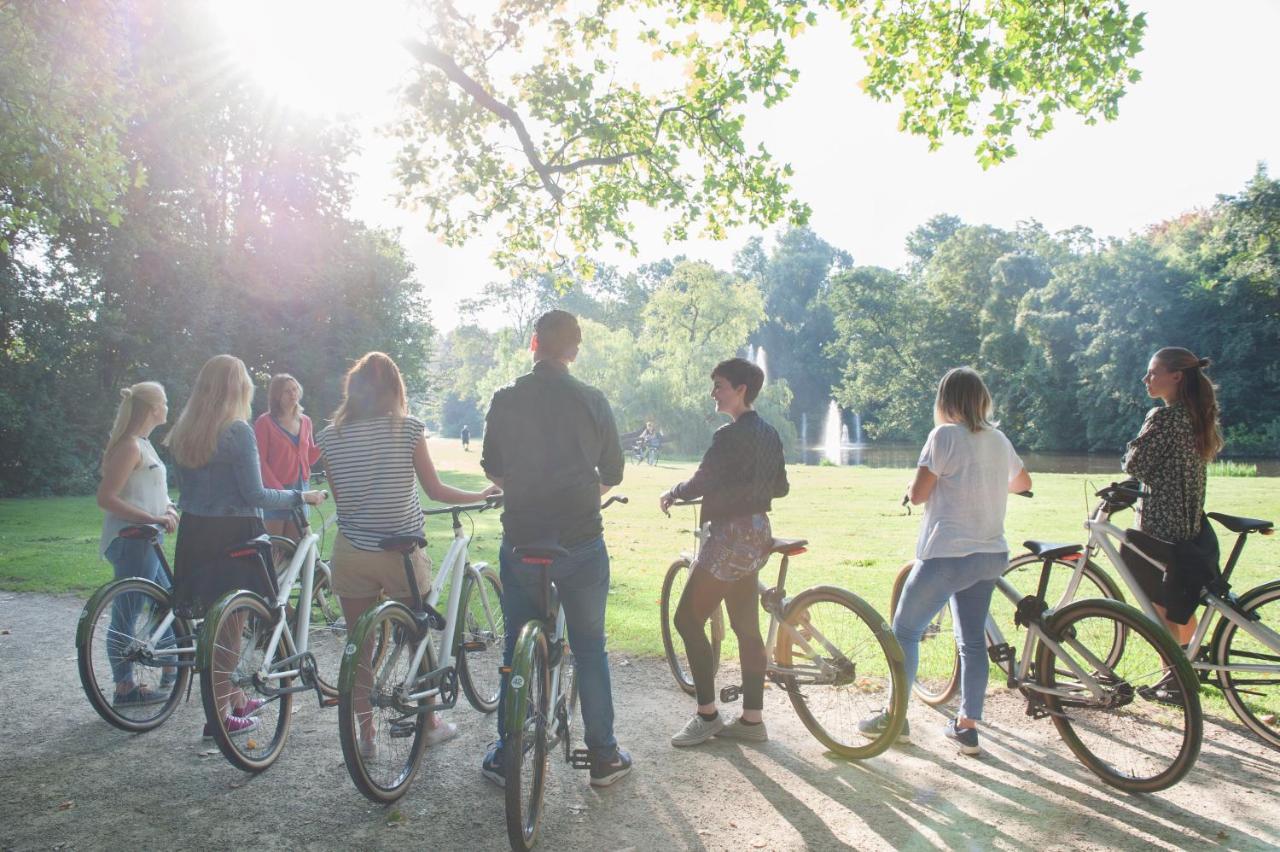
(697, 731)
(443, 732)
(736, 730)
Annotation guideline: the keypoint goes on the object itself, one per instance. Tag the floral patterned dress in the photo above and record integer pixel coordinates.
(1164, 458)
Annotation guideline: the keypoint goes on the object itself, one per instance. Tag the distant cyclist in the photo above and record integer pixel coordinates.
(550, 442)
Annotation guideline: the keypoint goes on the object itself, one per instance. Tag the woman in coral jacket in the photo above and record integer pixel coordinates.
(286, 447)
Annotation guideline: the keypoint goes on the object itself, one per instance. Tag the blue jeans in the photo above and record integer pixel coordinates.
(967, 583)
(582, 583)
(131, 557)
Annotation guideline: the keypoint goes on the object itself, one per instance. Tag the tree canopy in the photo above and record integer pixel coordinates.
(550, 119)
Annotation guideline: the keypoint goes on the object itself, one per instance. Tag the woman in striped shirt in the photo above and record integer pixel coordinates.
(375, 454)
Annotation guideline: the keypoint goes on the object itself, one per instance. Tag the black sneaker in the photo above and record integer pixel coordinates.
(1164, 692)
(605, 773)
(492, 768)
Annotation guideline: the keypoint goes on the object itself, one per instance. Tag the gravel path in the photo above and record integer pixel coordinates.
(70, 781)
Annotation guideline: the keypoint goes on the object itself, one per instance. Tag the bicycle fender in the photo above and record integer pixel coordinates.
(83, 626)
(521, 660)
(205, 647)
(356, 638)
(1242, 603)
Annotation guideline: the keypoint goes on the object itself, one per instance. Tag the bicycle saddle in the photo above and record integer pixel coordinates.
(1238, 525)
(251, 547)
(543, 553)
(1049, 550)
(143, 531)
(789, 546)
(403, 543)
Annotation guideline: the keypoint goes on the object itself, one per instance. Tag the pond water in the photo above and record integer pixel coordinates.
(906, 455)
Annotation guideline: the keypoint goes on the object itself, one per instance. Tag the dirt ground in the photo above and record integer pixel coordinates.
(70, 781)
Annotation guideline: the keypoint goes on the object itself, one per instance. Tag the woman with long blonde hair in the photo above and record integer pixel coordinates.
(1170, 457)
(134, 490)
(286, 447)
(221, 497)
(965, 474)
(375, 454)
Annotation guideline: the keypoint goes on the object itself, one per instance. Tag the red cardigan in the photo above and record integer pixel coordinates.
(279, 458)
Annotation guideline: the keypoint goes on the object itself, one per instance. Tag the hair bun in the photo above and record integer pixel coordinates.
(1203, 363)
(126, 393)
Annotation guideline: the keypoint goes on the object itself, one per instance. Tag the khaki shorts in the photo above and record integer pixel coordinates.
(368, 573)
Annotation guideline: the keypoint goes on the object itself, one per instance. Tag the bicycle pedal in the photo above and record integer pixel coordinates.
(729, 694)
(329, 702)
(580, 758)
(473, 646)
(402, 729)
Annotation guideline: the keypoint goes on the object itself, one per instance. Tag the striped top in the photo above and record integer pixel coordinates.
(375, 487)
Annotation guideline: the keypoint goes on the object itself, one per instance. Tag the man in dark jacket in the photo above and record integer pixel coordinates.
(551, 443)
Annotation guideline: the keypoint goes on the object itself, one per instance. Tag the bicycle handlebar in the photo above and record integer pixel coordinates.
(494, 502)
(612, 500)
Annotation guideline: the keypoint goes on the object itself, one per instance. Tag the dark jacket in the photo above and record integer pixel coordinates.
(741, 473)
(552, 441)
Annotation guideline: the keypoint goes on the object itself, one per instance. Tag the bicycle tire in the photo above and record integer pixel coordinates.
(327, 635)
(566, 692)
(482, 637)
(854, 636)
(1138, 724)
(383, 769)
(143, 605)
(1233, 645)
(240, 625)
(672, 587)
(525, 750)
(938, 671)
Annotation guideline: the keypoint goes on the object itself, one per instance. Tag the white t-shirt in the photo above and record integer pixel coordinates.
(965, 512)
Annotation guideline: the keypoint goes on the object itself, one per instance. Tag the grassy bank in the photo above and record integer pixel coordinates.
(859, 536)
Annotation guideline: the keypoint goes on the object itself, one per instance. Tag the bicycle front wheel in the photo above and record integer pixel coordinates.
(839, 663)
(526, 751)
(482, 637)
(134, 670)
(243, 678)
(1143, 733)
(1253, 695)
(938, 671)
(672, 588)
(381, 727)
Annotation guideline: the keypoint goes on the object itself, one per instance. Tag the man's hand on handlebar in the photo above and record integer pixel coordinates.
(314, 498)
(665, 501)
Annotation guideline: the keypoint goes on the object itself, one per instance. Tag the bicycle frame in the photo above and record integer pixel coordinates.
(1101, 535)
(1018, 674)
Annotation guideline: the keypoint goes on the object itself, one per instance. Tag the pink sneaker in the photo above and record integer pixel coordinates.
(235, 725)
(248, 708)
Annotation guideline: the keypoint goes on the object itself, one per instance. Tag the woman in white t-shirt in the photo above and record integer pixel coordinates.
(966, 471)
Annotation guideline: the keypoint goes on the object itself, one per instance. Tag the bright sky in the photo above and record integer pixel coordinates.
(1196, 126)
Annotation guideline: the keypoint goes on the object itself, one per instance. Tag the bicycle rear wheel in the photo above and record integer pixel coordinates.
(238, 669)
(119, 641)
(672, 588)
(525, 751)
(938, 672)
(1254, 696)
(382, 730)
(1143, 734)
(839, 663)
(482, 636)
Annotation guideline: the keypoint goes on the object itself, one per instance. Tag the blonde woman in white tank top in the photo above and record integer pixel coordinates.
(134, 490)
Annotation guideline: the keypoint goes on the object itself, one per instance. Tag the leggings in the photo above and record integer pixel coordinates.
(701, 597)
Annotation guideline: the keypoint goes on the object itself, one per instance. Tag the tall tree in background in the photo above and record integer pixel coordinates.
(549, 119)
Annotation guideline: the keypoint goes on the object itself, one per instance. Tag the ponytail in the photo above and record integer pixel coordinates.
(137, 402)
(1197, 393)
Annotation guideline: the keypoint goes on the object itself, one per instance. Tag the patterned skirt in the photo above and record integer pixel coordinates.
(735, 548)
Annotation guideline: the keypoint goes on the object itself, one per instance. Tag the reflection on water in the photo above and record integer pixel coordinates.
(906, 455)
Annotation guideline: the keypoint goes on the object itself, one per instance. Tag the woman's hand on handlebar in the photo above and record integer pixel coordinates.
(493, 491)
(314, 498)
(168, 521)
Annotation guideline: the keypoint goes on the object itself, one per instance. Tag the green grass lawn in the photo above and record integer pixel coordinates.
(859, 535)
